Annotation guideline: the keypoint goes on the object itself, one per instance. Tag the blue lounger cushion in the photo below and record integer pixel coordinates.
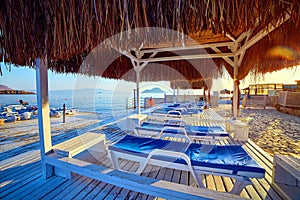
(233, 158)
(191, 130)
(174, 105)
(163, 110)
(168, 110)
(159, 126)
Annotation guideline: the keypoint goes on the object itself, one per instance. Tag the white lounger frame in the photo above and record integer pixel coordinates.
(176, 114)
(242, 178)
(162, 134)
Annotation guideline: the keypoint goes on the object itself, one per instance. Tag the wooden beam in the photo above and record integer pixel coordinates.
(261, 35)
(202, 46)
(230, 37)
(129, 55)
(241, 37)
(145, 63)
(43, 114)
(227, 59)
(187, 57)
(248, 34)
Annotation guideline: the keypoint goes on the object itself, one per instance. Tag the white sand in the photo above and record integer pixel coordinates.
(25, 132)
(273, 131)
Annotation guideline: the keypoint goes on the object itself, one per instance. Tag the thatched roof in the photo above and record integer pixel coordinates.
(279, 50)
(67, 31)
(198, 84)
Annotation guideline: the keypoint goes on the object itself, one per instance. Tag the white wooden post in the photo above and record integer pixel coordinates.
(138, 68)
(138, 88)
(208, 98)
(235, 87)
(43, 114)
(174, 92)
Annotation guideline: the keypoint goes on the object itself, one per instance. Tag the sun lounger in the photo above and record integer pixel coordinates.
(193, 132)
(182, 105)
(176, 112)
(182, 110)
(173, 105)
(230, 161)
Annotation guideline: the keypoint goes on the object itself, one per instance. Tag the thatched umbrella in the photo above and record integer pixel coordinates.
(204, 84)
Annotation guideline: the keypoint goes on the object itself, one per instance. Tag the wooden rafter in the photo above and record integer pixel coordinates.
(227, 59)
(187, 57)
(201, 46)
(264, 32)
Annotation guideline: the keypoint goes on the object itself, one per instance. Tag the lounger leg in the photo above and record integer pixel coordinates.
(199, 179)
(239, 185)
(143, 165)
(114, 160)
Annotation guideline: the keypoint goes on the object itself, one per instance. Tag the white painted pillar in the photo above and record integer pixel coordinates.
(235, 87)
(208, 96)
(174, 92)
(43, 114)
(138, 79)
(138, 68)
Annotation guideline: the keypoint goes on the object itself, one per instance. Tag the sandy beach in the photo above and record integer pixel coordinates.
(275, 132)
(25, 132)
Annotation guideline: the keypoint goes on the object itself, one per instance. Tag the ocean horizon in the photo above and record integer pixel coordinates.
(87, 100)
(105, 103)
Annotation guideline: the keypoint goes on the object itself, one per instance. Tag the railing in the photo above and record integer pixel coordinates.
(130, 102)
(282, 98)
(181, 98)
(289, 99)
(272, 100)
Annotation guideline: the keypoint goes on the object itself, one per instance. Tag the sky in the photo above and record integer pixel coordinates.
(23, 78)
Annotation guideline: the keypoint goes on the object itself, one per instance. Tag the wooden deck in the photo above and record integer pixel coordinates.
(207, 118)
(21, 176)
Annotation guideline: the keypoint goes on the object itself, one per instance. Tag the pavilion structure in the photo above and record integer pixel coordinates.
(230, 33)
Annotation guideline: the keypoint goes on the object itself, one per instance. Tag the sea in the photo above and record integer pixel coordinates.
(105, 103)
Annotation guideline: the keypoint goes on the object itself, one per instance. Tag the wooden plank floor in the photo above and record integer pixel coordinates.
(207, 118)
(21, 176)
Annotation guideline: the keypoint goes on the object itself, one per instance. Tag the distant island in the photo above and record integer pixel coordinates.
(154, 90)
(7, 90)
